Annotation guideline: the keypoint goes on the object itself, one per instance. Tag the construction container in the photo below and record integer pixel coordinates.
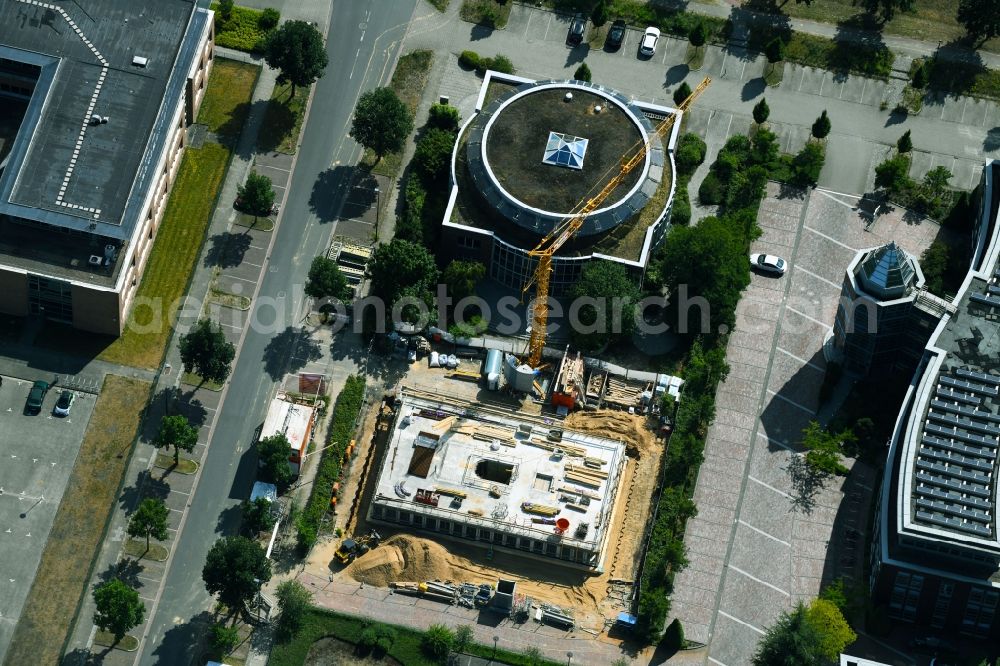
(492, 368)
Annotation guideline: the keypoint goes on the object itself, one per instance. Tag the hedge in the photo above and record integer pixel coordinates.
(499, 63)
(245, 30)
(339, 435)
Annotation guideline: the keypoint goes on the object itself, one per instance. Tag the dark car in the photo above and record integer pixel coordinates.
(35, 397)
(616, 35)
(577, 28)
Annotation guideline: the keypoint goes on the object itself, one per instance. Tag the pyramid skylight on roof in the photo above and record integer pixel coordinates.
(564, 150)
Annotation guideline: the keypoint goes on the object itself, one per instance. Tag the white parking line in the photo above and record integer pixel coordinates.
(863, 86)
(762, 532)
(803, 314)
(780, 443)
(758, 580)
(268, 166)
(250, 263)
(818, 277)
(716, 661)
(739, 621)
(830, 238)
(811, 412)
(769, 486)
(799, 359)
(836, 200)
(527, 23)
(547, 24)
(226, 276)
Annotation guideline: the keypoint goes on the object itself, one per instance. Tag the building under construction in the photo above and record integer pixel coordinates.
(505, 481)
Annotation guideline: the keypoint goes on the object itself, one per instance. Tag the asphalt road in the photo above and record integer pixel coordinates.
(362, 44)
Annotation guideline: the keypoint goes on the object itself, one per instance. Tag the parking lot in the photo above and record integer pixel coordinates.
(37, 453)
(763, 539)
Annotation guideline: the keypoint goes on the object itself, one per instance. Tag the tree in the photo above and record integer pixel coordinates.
(821, 127)
(256, 196)
(933, 194)
(599, 16)
(269, 18)
(673, 637)
(884, 10)
(443, 116)
(904, 144)
(377, 637)
(832, 629)
(774, 50)
(119, 609)
(808, 164)
(381, 122)
(690, 153)
(149, 521)
(226, 9)
(297, 51)
(824, 447)
(258, 515)
(682, 93)
(326, 281)
(613, 316)
(922, 73)
(206, 352)
(792, 640)
(698, 35)
(582, 73)
(462, 278)
(273, 453)
(433, 154)
(176, 431)
(438, 640)
(224, 638)
(463, 637)
(761, 111)
(893, 174)
(981, 18)
(293, 602)
(403, 269)
(235, 569)
(764, 147)
(708, 259)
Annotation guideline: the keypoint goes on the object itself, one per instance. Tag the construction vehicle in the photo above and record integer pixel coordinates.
(564, 231)
(353, 547)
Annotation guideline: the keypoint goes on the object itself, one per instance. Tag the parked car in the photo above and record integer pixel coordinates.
(63, 405)
(36, 397)
(768, 263)
(647, 46)
(616, 35)
(577, 28)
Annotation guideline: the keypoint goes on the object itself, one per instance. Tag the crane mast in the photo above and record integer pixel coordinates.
(565, 231)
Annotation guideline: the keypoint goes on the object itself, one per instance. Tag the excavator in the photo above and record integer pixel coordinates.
(352, 547)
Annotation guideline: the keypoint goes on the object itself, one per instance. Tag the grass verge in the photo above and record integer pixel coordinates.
(408, 82)
(492, 13)
(178, 244)
(695, 57)
(137, 548)
(107, 639)
(228, 300)
(248, 221)
(226, 114)
(774, 73)
(440, 5)
(242, 31)
(192, 379)
(62, 575)
(319, 624)
(182, 466)
(283, 119)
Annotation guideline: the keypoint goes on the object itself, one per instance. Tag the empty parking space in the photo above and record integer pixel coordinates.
(37, 454)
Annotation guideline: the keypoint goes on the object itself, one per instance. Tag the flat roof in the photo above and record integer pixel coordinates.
(290, 419)
(482, 467)
(63, 170)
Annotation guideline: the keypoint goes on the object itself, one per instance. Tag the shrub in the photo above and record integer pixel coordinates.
(681, 211)
(690, 153)
(226, 9)
(808, 164)
(469, 60)
(698, 35)
(433, 154)
(443, 116)
(600, 15)
(269, 18)
(821, 128)
(438, 641)
(345, 413)
(224, 638)
(905, 143)
(242, 30)
(775, 50)
(761, 111)
(463, 637)
(377, 637)
(682, 93)
(500, 63)
(673, 637)
(710, 191)
(921, 74)
(582, 73)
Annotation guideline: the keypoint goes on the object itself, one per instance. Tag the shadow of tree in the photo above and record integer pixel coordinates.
(806, 484)
(752, 89)
(480, 31)
(279, 122)
(229, 520)
(192, 408)
(289, 351)
(675, 75)
(992, 140)
(233, 126)
(183, 642)
(126, 570)
(858, 46)
(955, 68)
(227, 249)
(326, 191)
(577, 54)
(146, 486)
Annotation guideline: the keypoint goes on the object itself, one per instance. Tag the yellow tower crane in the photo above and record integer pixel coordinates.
(565, 230)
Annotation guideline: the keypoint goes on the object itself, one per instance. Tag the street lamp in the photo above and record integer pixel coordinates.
(495, 639)
(569, 658)
(378, 205)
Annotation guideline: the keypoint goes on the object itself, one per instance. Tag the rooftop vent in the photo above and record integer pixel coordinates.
(139, 61)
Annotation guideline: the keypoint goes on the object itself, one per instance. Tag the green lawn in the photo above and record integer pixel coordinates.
(225, 114)
(283, 119)
(408, 82)
(242, 31)
(406, 648)
(80, 522)
(178, 243)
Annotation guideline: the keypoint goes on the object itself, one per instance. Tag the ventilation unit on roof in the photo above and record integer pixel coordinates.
(139, 61)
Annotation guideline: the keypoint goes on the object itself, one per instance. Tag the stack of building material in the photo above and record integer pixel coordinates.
(540, 509)
(625, 394)
(585, 476)
(595, 387)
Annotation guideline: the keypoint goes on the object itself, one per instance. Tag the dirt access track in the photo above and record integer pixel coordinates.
(405, 556)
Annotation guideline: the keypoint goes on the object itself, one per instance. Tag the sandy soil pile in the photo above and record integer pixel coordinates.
(401, 557)
(631, 428)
